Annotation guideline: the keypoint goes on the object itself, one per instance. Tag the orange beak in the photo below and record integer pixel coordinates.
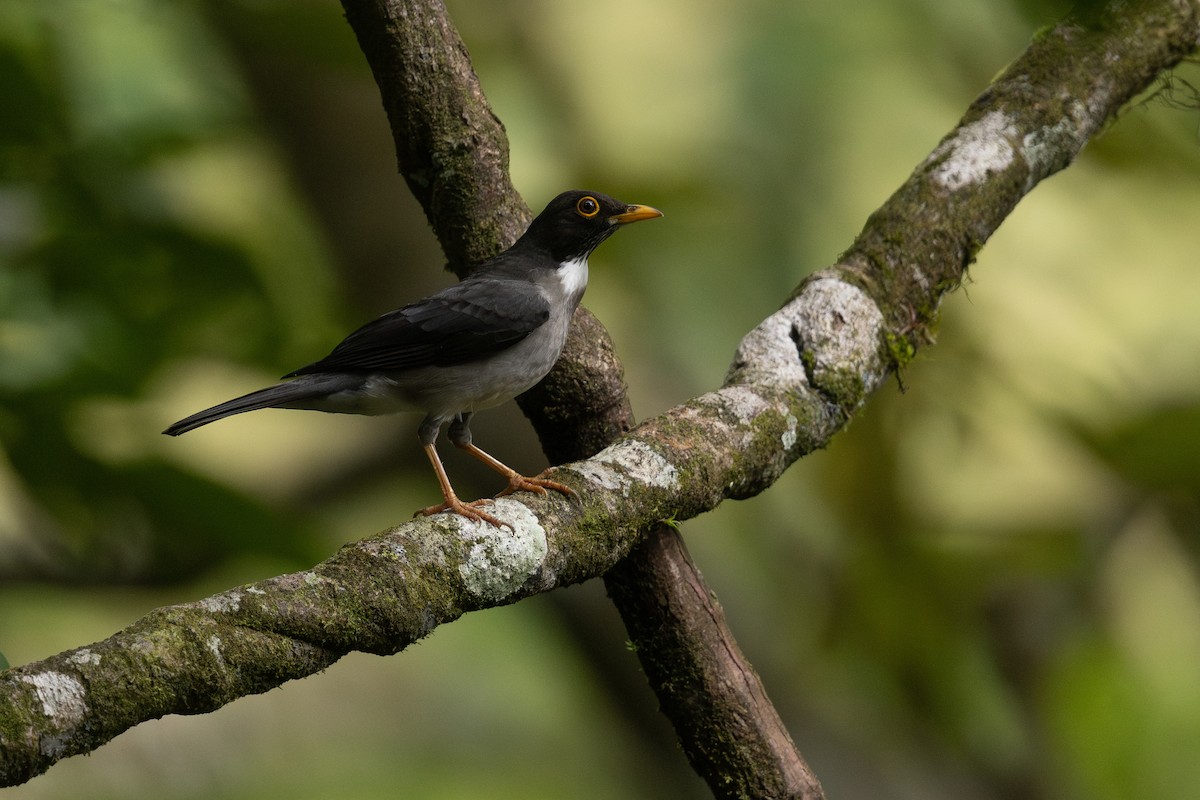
(635, 213)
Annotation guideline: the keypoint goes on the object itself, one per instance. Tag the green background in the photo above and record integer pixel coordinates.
(985, 588)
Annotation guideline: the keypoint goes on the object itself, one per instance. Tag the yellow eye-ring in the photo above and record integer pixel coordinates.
(587, 207)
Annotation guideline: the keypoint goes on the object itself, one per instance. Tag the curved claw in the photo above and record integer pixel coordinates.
(519, 483)
(468, 510)
(516, 481)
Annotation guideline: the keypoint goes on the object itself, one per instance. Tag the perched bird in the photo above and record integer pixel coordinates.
(470, 346)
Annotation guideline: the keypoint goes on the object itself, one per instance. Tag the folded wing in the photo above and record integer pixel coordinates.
(460, 324)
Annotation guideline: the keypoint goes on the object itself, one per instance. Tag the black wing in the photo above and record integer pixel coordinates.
(462, 323)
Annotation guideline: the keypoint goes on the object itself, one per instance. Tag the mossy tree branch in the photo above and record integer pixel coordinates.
(796, 379)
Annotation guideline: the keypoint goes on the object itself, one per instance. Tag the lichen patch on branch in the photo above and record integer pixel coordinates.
(213, 643)
(839, 334)
(84, 657)
(767, 354)
(228, 602)
(500, 560)
(619, 466)
(975, 151)
(1044, 148)
(62, 698)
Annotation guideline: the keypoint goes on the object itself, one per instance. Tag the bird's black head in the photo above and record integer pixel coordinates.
(575, 222)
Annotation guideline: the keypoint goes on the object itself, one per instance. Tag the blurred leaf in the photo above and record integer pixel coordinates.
(1158, 450)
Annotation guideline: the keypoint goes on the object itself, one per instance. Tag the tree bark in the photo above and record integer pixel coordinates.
(795, 381)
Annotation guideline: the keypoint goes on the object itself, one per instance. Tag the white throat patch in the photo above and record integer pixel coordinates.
(573, 276)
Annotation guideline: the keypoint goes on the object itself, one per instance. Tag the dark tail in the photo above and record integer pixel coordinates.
(278, 395)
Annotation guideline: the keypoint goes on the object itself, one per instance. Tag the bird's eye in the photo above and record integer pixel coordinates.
(587, 207)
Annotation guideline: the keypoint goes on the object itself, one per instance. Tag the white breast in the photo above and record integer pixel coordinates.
(573, 277)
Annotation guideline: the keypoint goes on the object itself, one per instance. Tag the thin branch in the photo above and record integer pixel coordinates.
(795, 381)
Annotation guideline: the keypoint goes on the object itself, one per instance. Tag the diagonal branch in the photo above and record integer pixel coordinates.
(796, 379)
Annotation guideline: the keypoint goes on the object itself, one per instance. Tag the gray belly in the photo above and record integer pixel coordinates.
(446, 391)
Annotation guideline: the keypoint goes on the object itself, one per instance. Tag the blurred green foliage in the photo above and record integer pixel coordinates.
(987, 587)
(127, 170)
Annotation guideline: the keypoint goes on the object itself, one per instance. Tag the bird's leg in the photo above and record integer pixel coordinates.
(450, 499)
(460, 436)
(516, 481)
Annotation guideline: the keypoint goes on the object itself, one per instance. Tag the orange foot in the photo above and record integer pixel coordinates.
(519, 483)
(468, 510)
